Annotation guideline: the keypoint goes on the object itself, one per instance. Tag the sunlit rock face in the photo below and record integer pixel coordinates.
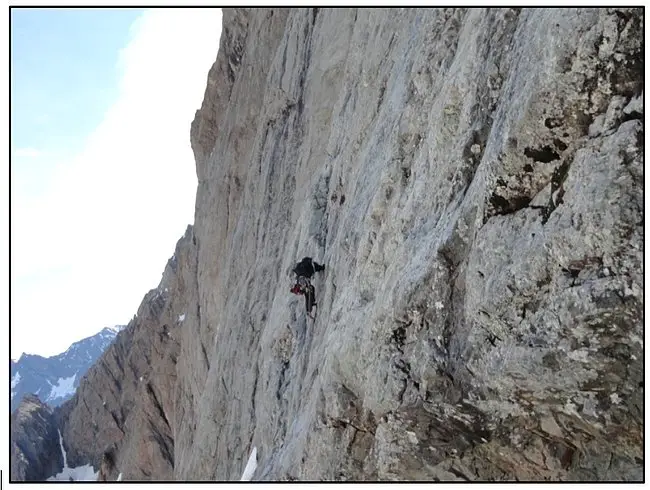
(473, 182)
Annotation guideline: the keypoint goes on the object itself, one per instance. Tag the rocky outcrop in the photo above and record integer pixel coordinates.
(208, 122)
(35, 451)
(472, 180)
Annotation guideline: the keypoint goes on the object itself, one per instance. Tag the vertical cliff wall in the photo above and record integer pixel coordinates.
(473, 182)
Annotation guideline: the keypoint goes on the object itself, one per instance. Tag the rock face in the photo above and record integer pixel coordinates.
(473, 182)
(54, 379)
(35, 451)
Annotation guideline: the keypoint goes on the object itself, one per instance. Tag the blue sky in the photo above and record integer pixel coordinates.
(64, 73)
(102, 174)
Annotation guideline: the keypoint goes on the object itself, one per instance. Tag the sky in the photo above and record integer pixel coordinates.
(102, 175)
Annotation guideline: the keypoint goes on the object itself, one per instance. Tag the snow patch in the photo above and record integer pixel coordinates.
(119, 477)
(181, 317)
(251, 466)
(65, 455)
(64, 387)
(80, 473)
(15, 379)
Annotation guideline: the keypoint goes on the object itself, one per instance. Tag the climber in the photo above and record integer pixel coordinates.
(307, 267)
(304, 270)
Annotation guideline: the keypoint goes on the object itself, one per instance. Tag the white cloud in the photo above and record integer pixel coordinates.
(85, 253)
(26, 153)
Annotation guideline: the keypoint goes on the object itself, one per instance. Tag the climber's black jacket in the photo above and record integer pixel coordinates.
(307, 267)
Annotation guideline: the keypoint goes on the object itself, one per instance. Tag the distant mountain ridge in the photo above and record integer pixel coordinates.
(54, 379)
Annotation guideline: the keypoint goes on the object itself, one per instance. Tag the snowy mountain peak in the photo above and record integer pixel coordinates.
(115, 329)
(55, 379)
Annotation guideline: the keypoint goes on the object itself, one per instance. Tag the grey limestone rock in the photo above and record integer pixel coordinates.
(472, 180)
(480, 314)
